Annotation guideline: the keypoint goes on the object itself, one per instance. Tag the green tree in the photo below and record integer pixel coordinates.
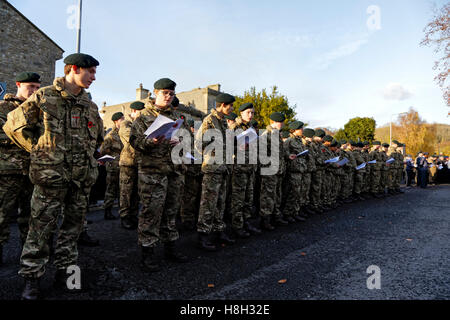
(265, 104)
(340, 135)
(362, 129)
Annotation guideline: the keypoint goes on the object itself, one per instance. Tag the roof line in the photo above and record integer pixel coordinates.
(14, 8)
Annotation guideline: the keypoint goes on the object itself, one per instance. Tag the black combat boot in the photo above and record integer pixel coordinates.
(204, 243)
(252, 229)
(1, 255)
(279, 221)
(266, 225)
(109, 215)
(241, 233)
(189, 225)
(128, 224)
(400, 191)
(309, 211)
(60, 281)
(32, 290)
(149, 261)
(86, 240)
(300, 218)
(222, 238)
(171, 253)
(289, 219)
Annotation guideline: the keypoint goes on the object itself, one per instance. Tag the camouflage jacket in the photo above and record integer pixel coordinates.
(153, 157)
(375, 155)
(282, 151)
(193, 169)
(339, 169)
(366, 157)
(383, 158)
(63, 131)
(13, 160)
(112, 146)
(240, 125)
(212, 121)
(351, 165)
(128, 154)
(359, 161)
(330, 167)
(294, 145)
(309, 158)
(319, 155)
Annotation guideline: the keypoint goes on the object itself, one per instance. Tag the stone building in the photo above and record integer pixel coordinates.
(24, 47)
(195, 103)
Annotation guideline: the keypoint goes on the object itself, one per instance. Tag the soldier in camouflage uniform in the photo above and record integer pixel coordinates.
(350, 170)
(296, 168)
(129, 195)
(271, 185)
(112, 146)
(160, 179)
(375, 170)
(366, 178)
(243, 178)
(358, 174)
(400, 168)
(308, 135)
(328, 177)
(384, 169)
(215, 172)
(15, 186)
(339, 173)
(317, 177)
(62, 129)
(192, 190)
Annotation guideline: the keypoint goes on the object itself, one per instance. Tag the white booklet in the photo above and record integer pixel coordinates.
(163, 126)
(107, 158)
(334, 160)
(303, 153)
(372, 162)
(343, 162)
(390, 160)
(361, 166)
(247, 136)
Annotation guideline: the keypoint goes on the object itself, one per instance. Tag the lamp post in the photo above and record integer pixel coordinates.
(390, 125)
(80, 6)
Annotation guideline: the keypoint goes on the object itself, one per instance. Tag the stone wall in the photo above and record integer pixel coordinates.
(23, 47)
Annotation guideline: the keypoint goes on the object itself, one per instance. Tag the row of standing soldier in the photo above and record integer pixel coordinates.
(58, 129)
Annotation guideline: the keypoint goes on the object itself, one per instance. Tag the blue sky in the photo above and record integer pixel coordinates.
(321, 54)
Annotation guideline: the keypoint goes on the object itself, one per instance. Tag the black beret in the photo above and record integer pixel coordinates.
(225, 98)
(254, 123)
(360, 145)
(232, 116)
(395, 142)
(28, 77)
(164, 84)
(334, 143)
(366, 143)
(309, 133)
(116, 116)
(277, 117)
(400, 145)
(320, 133)
(81, 60)
(296, 125)
(328, 138)
(353, 143)
(137, 105)
(175, 102)
(376, 143)
(386, 145)
(285, 134)
(426, 153)
(246, 106)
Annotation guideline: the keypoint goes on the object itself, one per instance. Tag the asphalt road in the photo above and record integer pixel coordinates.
(406, 236)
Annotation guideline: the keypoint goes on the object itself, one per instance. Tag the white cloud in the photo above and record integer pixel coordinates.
(395, 91)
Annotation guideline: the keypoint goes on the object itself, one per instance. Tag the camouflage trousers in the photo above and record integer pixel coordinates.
(358, 182)
(326, 187)
(306, 187)
(271, 195)
(349, 183)
(212, 203)
(294, 194)
(366, 182)
(242, 184)
(335, 188)
(129, 193)
(112, 188)
(383, 180)
(191, 197)
(160, 196)
(46, 204)
(391, 176)
(316, 188)
(15, 197)
(398, 181)
(375, 179)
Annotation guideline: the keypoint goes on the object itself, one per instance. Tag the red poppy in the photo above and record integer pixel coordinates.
(90, 124)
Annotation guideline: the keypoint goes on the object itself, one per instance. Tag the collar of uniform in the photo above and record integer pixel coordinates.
(150, 104)
(12, 98)
(81, 99)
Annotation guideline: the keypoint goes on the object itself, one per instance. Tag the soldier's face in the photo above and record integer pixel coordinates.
(25, 90)
(84, 77)
(277, 125)
(227, 108)
(164, 97)
(230, 123)
(135, 113)
(118, 122)
(247, 115)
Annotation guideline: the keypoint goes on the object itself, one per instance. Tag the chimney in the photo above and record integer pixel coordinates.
(141, 93)
(214, 87)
